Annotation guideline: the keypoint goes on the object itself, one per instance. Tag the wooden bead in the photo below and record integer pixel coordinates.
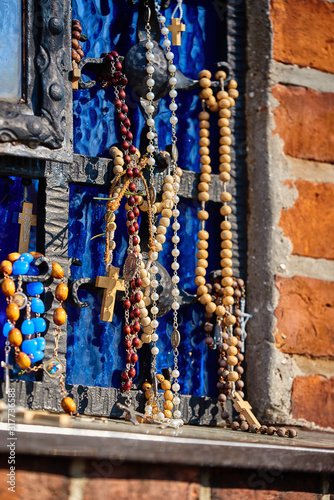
(8, 287)
(168, 405)
(226, 244)
(232, 102)
(232, 341)
(224, 103)
(164, 221)
(225, 224)
(166, 212)
(210, 307)
(146, 386)
(226, 263)
(205, 83)
(230, 320)
(205, 160)
(146, 338)
(220, 311)
(199, 281)
(117, 170)
(204, 115)
(6, 267)
(12, 257)
(225, 197)
(167, 186)
(232, 360)
(202, 290)
(224, 149)
(224, 167)
(161, 238)
(228, 301)
(225, 210)
(203, 215)
(203, 186)
(204, 141)
(23, 360)
(205, 299)
(203, 196)
(205, 177)
(202, 263)
(232, 84)
(204, 132)
(223, 122)
(59, 316)
(232, 350)
(226, 253)
(206, 169)
(61, 292)
(166, 204)
(119, 161)
(233, 93)
(226, 235)
(167, 195)
(205, 73)
(225, 140)
(165, 385)
(57, 271)
(168, 413)
(224, 157)
(202, 254)
(203, 235)
(12, 312)
(202, 245)
(68, 405)
(15, 337)
(145, 321)
(211, 101)
(224, 176)
(227, 272)
(232, 377)
(36, 254)
(200, 271)
(204, 151)
(222, 94)
(224, 113)
(168, 395)
(204, 124)
(220, 74)
(206, 93)
(214, 108)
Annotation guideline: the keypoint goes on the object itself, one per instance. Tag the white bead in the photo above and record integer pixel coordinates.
(177, 414)
(148, 412)
(154, 309)
(153, 255)
(154, 269)
(175, 279)
(150, 109)
(175, 252)
(176, 212)
(151, 161)
(155, 351)
(176, 226)
(176, 200)
(158, 247)
(176, 374)
(149, 45)
(175, 292)
(176, 186)
(172, 68)
(166, 43)
(150, 148)
(173, 81)
(150, 82)
(176, 400)
(173, 106)
(150, 135)
(154, 337)
(155, 296)
(175, 306)
(154, 283)
(176, 239)
(162, 19)
(176, 387)
(160, 416)
(170, 56)
(173, 93)
(175, 266)
(148, 407)
(154, 228)
(150, 69)
(150, 56)
(150, 122)
(173, 120)
(155, 324)
(164, 31)
(150, 96)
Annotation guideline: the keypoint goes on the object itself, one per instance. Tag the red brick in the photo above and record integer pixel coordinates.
(305, 121)
(313, 399)
(309, 222)
(32, 484)
(303, 33)
(305, 316)
(244, 494)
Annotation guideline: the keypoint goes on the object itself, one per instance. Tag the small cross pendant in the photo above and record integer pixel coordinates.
(176, 28)
(111, 284)
(26, 220)
(244, 408)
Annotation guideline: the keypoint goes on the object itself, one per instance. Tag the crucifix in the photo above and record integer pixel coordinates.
(26, 219)
(111, 284)
(5, 364)
(244, 408)
(176, 28)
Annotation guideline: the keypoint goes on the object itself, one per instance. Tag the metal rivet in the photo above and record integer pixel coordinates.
(34, 126)
(56, 92)
(56, 25)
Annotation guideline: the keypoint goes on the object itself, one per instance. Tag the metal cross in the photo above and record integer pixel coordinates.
(133, 414)
(26, 219)
(5, 364)
(244, 408)
(111, 284)
(176, 28)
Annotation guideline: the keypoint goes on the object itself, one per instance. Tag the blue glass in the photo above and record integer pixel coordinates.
(11, 50)
(40, 343)
(27, 327)
(29, 346)
(39, 325)
(37, 306)
(37, 356)
(27, 257)
(7, 327)
(35, 288)
(33, 271)
(20, 267)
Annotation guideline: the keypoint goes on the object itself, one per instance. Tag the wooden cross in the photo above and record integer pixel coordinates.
(76, 73)
(26, 219)
(176, 28)
(111, 284)
(7, 367)
(244, 408)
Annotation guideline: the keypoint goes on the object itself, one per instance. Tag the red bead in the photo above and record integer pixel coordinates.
(128, 355)
(132, 316)
(125, 145)
(135, 240)
(136, 342)
(125, 108)
(109, 57)
(125, 376)
(132, 299)
(127, 344)
(136, 198)
(104, 54)
(126, 330)
(121, 117)
(99, 78)
(138, 282)
(136, 172)
(118, 75)
(130, 215)
(128, 385)
(129, 136)
(132, 148)
(127, 159)
(113, 81)
(118, 104)
(122, 94)
(133, 284)
(132, 187)
(132, 371)
(136, 327)
(131, 229)
(126, 304)
(114, 53)
(136, 226)
(129, 172)
(118, 65)
(131, 201)
(123, 130)
(124, 81)
(127, 123)
(136, 312)
(136, 211)
(134, 358)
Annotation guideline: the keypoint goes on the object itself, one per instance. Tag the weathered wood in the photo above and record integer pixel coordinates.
(26, 220)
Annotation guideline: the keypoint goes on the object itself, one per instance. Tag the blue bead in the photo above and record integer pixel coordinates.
(29, 346)
(37, 306)
(20, 267)
(37, 356)
(40, 343)
(7, 327)
(39, 325)
(27, 257)
(27, 327)
(35, 288)
(33, 271)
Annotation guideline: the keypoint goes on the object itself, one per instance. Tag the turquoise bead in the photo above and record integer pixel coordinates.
(27, 327)
(37, 356)
(36, 288)
(27, 257)
(40, 343)
(20, 267)
(29, 346)
(39, 325)
(7, 327)
(37, 306)
(33, 271)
